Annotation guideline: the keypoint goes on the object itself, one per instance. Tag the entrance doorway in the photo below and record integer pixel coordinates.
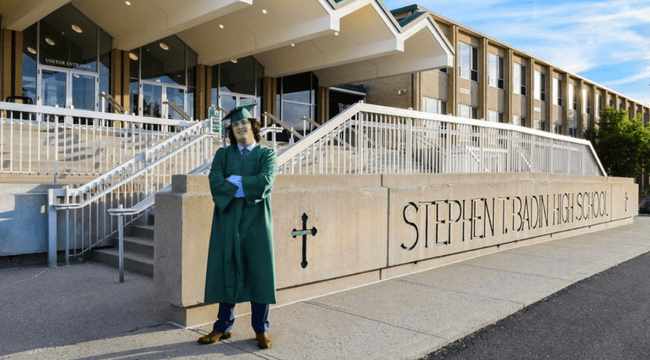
(70, 89)
(156, 94)
(229, 101)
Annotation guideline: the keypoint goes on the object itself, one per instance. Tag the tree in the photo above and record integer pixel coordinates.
(621, 144)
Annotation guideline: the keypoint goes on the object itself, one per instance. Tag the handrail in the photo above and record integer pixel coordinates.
(44, 140)
(129, 185)
(113, 102)
(383, 133)
(283, 125)
(177, 108)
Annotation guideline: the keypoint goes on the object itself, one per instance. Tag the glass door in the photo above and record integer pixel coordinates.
(176, 96)
(69, 89)
(154, 96)
(151, 100)
(83, 91)
(54, 87)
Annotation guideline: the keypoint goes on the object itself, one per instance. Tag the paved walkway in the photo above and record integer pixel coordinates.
(83, 312)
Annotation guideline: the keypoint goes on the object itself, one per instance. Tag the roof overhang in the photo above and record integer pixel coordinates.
(341, 42)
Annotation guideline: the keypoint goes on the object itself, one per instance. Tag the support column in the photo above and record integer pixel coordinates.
(126, 90)
(200, 106)
(208, 87)
(591, 125)
(566, 104)
(323, 105)
(580, 116)
(530, 94)
(550, 98)
(6, 64)
(116, 79)
(18, 63)
(416, 86)
(483, 80)
(270, 91)
(509, 87)
(452, 78)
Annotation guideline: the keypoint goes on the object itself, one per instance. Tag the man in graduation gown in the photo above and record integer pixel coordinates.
(240, 260)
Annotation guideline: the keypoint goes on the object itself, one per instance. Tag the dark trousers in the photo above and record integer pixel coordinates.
(226, 317)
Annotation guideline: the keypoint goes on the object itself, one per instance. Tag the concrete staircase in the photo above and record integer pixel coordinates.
(138, 250)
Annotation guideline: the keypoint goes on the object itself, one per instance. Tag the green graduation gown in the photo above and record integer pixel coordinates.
(240, 260)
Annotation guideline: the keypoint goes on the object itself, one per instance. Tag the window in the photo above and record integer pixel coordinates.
(475, 136)
(540, 86)
(518, 120)
(558, 128)
(557, 90)
(494, 116)
(539, 125)
(611, 102)
(434, 105)
(585, 102)
(573, 132)
(444, 70)
(597, 105)
(296, 98)
(519, 78)
(572, 99)
(469, 112)
(468, 62)
(495, 73)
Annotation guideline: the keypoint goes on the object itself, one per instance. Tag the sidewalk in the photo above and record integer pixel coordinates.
(83, 312)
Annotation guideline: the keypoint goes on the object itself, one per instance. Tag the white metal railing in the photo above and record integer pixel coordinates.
(82, 216)
(55, 141)
(371, 139)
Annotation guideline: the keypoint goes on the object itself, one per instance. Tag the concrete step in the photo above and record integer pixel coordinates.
(135, 262)
(138, 245)
(142, 231)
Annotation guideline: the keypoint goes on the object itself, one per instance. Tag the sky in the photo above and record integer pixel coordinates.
(604, 41)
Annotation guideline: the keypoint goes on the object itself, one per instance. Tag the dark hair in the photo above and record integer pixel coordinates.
(255, 125)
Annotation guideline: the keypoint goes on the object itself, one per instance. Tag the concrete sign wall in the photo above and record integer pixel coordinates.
(336, 232)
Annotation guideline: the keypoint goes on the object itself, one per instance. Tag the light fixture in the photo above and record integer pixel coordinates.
(127, 3)
(336, 33)
(164, 46)
(220, 26)
(31, 50)
(293, 45)
(49, 41)
(264, 11)
(77, 29)
(234, 61)
(133, 56)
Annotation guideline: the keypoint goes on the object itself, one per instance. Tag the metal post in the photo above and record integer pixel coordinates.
(120, 229)
(51, 229)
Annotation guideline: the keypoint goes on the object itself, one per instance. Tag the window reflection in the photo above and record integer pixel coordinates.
(62, 47)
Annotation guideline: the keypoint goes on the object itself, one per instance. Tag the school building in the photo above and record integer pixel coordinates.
(295, 58)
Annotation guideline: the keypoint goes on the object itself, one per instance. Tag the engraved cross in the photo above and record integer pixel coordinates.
(304, 232)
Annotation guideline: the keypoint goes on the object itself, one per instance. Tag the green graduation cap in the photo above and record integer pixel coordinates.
(240, 112)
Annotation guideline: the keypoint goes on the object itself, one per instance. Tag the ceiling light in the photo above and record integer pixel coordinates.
(133, 56)
(220, 26)
(164, 46)
(263, 11)
(293, 45)
(127, 2)
(336, 33)
(234, 61)
(77, 29)
(49, 41)
(31, 50)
